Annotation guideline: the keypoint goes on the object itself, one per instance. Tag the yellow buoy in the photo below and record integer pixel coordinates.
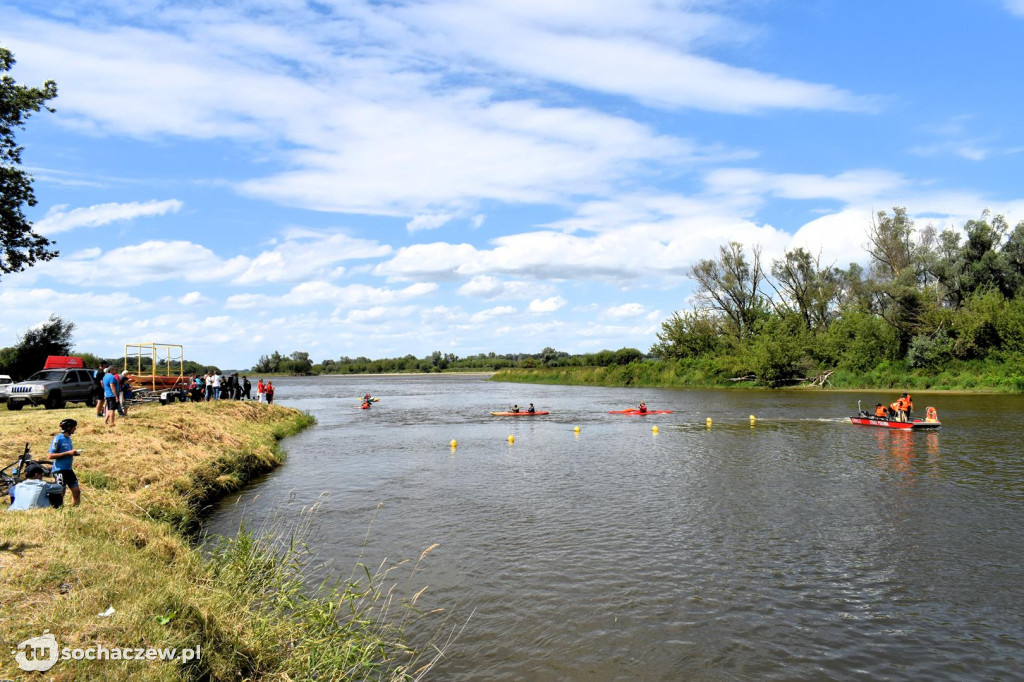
(511, 438)
(654, 429)
(708, 422)
(753, 420)
(454, 443)
(576, 429)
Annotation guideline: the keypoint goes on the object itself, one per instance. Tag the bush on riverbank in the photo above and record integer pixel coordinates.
(144, 485)
(984, 376)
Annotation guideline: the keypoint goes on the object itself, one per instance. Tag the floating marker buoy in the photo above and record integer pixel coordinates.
(654, 429)
(576, 429)
(511, 438)
(454, 443)
(708, 422)
(753, 420)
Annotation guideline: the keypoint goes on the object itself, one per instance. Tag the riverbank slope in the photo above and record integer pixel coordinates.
(122, 570)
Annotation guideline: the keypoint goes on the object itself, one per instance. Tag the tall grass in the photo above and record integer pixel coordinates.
(247, 602)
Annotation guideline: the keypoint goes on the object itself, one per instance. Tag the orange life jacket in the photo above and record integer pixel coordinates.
(880, 411)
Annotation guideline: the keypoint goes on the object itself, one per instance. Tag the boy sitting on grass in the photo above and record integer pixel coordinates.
(34, 492)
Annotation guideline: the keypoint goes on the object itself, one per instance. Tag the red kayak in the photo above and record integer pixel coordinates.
(638, 412)
(518, 414)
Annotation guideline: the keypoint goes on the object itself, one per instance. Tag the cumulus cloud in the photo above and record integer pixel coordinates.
(489, 287)
(490, 314)
(626, 310)
(547, 305)
(60, 219)
(192, 298)
(303, 254)
(342, 297)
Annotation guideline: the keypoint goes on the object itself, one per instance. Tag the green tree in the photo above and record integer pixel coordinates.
(20, 247)
(779, 354)
(688, 334)
(300, 363)
(624, 356)
(898, 268)
(731, 286)
(53, 337)
(807, 288)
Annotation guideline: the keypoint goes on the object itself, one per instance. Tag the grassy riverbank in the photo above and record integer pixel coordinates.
(992, 377)
(244, 603)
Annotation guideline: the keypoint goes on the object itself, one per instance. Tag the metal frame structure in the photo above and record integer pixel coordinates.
(169, 352)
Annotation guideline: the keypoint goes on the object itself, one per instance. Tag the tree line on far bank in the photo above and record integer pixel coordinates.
(299, 362)
(929, 303)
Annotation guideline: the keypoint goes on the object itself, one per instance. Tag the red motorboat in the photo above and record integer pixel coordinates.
(931, 421)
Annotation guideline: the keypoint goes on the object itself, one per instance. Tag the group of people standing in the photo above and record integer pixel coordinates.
(214, 386)
(900, 411)
(112, 392)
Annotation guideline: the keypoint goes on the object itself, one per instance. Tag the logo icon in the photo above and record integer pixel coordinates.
(37, 653)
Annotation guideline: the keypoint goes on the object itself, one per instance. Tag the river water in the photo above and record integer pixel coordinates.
(801, 547)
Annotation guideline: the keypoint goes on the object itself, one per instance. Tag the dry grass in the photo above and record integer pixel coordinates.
(245, 601)
(144, 483)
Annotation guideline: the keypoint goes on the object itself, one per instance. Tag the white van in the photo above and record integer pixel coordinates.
(4, 380)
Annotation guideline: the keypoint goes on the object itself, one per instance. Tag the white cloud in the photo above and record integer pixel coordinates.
(1016, 7)
(646, 53)
(547, 305)
(342, 297)
(192, 298)
(849, 186)
(306, 254)
(490, 287)
(391, 141)
(428, 221)
(486, 316)
(619, 312)
(58, 219)
(148, 262)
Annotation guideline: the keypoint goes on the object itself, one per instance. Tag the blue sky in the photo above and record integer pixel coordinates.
(384, 178)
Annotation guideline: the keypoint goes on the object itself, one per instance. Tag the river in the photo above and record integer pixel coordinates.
(799, 547)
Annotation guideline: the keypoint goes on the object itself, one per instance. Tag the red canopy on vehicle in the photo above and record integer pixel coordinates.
(63, 362)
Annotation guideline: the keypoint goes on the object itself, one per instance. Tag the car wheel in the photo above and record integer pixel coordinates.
(54, 402)
(90, 401)
(11, 405)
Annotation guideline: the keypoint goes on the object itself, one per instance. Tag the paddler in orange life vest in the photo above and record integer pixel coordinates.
(902, 407)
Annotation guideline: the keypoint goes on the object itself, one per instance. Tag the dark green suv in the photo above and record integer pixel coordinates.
(54, 388)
